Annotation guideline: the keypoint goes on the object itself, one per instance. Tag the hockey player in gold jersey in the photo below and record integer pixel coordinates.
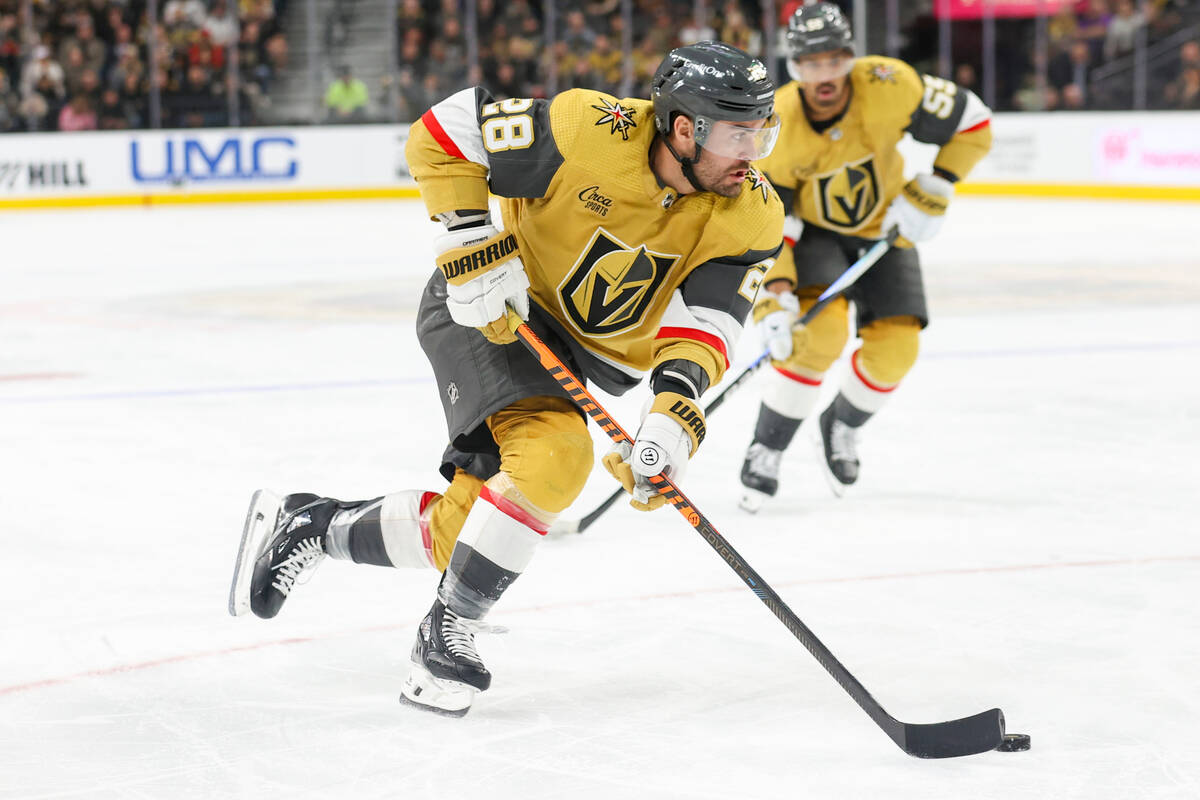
(635, 235)
(841, 179)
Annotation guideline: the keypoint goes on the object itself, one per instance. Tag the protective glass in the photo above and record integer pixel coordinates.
(820, 68)
(743, 140)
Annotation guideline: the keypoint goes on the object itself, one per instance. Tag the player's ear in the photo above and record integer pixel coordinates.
(683, 129)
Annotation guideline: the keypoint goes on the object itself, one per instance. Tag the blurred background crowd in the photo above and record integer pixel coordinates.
(112, 64)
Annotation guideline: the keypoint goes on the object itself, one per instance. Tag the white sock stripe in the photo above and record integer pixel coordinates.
(498, 537)
(790, 398)
(861, 395)
(400, 525)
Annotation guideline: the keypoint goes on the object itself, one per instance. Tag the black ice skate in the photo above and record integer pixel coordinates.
(760, 476)
(446, 669)
(837, 450)
(282, 539)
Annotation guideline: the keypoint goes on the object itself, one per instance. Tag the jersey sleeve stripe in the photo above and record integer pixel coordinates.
(978, 127)
(439, 135)
(975, 114)
(696, 335)
(456, 126)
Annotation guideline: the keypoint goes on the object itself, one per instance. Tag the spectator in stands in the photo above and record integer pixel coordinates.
(77, 115)
(578, 36)
(738, 33)
(506, 84)
(111, 115)
(1123, 28)
(966, 78)
(1188, 94)
(1073, 98)
(134, 99)
(44, 76)
(184, 13)
(198, 103)
(92, 50)
(412, 24)
(10, 45)
(1093, 27)
(346, 99)
(1071, 69)
(606, 62)
(1189, 61)
(10, 105)
(221, 27)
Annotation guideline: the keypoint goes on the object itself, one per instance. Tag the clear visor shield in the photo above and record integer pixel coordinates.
(745, 141)
(821, 68)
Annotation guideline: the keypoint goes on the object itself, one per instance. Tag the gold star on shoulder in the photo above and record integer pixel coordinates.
(758, 181)
(617, 116)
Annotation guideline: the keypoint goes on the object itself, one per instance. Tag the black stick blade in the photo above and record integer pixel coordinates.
(958, 737)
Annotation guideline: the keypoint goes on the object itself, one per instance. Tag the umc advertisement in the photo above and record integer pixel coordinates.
(1152, 156)
(210, 165)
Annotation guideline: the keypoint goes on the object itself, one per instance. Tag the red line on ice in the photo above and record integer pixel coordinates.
(158, 662)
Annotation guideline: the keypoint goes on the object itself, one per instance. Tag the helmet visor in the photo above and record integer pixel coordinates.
(746, 141)
(822, 67)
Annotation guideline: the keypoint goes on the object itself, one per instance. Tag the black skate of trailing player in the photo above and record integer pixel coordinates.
(836, 441)
(760, 476)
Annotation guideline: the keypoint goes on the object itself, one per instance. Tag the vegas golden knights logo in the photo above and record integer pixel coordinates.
(612, 284)
(849, 195)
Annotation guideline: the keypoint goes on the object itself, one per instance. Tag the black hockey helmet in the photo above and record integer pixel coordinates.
(819, 28)
(710, 82)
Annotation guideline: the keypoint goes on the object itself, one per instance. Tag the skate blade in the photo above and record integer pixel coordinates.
(447, 698)
(752, 500)
(260, 524)
(837, 487)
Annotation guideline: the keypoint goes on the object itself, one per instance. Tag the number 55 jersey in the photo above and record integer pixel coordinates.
(843, 175)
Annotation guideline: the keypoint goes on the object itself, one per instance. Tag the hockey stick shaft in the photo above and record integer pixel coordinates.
(936, 741)
(831, 293)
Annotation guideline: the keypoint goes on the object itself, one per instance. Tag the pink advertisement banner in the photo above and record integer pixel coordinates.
(973, 9)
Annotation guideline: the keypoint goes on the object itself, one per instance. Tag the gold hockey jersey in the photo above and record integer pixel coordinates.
(632, 273)
(844, 177)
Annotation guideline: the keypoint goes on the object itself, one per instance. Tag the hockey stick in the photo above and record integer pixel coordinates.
(831, 293)
(960, 737)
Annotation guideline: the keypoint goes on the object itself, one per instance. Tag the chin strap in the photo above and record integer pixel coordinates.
(685, 164)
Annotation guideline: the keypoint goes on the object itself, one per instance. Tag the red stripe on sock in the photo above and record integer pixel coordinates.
(513, 510)
(440, 136)
(862, 376)
(423, 523)
(797, 378)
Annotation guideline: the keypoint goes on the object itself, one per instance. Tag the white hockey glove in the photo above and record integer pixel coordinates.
(920, 208)
(483, 272)
(776, 314)
(670, 434)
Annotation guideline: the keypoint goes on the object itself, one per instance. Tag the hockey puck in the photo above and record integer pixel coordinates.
(1014, 743)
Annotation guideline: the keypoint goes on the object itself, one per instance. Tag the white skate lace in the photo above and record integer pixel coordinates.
(301, 562)
(843, 442)
(763, 460)
(458, 634)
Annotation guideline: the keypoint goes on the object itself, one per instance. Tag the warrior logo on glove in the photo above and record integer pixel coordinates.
(460, 263)
(612, 284)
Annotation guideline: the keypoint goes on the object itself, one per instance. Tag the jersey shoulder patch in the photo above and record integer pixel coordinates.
(888, 88)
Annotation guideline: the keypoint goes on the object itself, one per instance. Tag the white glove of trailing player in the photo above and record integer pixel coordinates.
(920, 208)
(483, 272)
(670, 434)
(775, 314)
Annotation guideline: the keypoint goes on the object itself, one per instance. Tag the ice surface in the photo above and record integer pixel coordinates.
(1024, 534)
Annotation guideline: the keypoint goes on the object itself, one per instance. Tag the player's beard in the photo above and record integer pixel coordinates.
(723, 180)
(825, 96)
